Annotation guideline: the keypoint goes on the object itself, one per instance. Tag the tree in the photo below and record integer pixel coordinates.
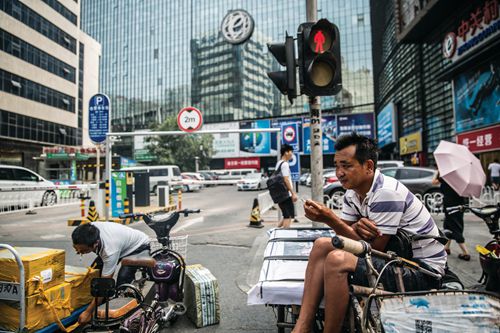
(181, 149)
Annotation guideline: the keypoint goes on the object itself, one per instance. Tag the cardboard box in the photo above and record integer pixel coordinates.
(42, 267)
(79, 278)
(201, 296)
(42, 309)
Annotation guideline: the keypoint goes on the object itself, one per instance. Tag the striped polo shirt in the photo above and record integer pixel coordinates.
(392, 206)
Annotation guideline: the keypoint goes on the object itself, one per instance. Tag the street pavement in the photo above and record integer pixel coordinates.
(219, 239)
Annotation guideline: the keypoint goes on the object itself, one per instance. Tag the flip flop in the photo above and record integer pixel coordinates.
(465, 257)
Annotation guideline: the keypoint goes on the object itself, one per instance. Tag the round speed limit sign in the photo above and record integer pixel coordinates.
(189, 119)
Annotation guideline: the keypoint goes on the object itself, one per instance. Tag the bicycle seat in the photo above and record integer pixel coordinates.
(118, 307)
(142, 259)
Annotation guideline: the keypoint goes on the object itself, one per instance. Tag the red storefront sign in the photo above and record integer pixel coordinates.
(242, 163)
(487, 139)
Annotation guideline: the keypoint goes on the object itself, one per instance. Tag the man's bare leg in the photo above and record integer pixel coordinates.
(286, 223)
(313, 285)
(338, 265)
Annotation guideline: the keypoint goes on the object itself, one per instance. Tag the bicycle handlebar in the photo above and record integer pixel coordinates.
(186, 212)
(361, 248)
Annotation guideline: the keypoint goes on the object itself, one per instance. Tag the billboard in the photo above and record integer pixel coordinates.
(477, 97)
(329, 130)
(257, 143)
(224, 144)
(386, 125)
(361, 123)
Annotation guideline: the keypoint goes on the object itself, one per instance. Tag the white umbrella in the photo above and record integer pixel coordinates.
(460, 168)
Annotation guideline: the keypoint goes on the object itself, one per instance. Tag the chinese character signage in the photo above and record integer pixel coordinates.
(242, 163)
(99, 111)
(386, 125)
(118, 192)
(411, 143)
(483, 140)
(479, 26)
(476, 96)
(224, 144)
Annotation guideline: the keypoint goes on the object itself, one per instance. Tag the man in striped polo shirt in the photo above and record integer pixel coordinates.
(375, 207)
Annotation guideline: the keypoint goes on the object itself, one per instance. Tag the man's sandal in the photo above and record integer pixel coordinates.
(465, 257)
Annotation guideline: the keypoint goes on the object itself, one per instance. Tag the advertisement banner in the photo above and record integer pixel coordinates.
(361, 123)
(386, 125)
(477, 97)
(411, 143)
(258, 143)
(118, 192)
(329, 129)
(242, 163)
(224, 144)
(487, 139)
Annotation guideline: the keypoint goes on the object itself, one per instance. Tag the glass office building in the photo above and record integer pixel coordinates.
(159, 56)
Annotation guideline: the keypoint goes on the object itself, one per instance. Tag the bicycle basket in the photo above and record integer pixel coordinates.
(179, 245)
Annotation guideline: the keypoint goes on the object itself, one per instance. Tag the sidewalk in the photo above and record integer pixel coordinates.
(469, 272)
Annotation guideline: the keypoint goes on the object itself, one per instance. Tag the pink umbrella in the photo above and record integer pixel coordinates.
(460, 168)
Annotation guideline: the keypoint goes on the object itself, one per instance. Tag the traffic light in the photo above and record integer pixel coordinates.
(286, 81)
(319, 58)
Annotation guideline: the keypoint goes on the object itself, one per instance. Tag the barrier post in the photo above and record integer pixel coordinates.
(106, 186)
(82, 205)
(179, 200)
(31, 208)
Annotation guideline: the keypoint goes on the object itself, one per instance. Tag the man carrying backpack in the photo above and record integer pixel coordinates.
(286, 206)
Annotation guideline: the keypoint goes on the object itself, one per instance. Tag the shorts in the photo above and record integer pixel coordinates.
(287, 208)
(455, 223)
(413, 280)
(495, 180)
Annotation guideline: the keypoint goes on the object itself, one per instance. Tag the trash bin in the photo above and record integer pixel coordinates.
(141, 189)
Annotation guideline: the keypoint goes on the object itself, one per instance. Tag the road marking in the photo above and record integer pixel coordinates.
(189, 223)
(53, 236)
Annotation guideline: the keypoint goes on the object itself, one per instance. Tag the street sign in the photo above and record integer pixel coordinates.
(289, 135)
(189, 119)
(99, 108)
(294, 164)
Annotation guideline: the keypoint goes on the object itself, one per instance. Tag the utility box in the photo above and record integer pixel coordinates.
(163, 193)
(141, 189)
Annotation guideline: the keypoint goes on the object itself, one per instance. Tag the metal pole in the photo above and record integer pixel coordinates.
(316, 135)
(107, 176)
(98, 165)
(278, 158)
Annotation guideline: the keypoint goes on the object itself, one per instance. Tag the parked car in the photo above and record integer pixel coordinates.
(190, 184)
(389, 164)
(303, 178)
(209, 176)
(417, 179)
(252, 181)
(14, 176)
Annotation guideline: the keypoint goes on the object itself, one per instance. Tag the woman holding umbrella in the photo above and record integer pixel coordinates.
(453, 222)
(461, 176)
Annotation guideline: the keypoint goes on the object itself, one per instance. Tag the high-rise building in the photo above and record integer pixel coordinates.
(48, 71)
(436, 70)
(160, 56)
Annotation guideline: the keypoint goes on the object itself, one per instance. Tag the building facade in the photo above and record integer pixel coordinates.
(49, 68)
(437, 76)
(160, 56)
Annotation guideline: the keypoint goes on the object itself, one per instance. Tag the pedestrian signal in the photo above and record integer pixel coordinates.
(319, 58)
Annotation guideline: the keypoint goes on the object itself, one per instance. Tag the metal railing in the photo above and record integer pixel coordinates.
(29, 198)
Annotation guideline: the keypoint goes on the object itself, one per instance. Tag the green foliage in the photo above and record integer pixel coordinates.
(180, 149)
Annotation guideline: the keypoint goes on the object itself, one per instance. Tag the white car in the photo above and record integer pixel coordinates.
(189, 184)
(252, 181)
(19, 177)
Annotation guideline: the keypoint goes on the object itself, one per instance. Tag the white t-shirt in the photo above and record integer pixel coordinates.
(117, 241)
(495, 169)
(285, 171)
(285, 168)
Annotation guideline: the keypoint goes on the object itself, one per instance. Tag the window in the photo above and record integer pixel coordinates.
(408, 174)
(389, 172)
(25, 175)
(6, 174)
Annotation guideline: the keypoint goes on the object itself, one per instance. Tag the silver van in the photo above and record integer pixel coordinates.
(166, 173)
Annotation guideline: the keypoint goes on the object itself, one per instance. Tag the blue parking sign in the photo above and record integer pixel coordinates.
(99, 119)
(294, 164)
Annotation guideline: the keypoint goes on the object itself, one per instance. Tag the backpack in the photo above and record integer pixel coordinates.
(276, 186)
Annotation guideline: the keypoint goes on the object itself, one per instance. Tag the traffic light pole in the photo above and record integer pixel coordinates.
(316, 135)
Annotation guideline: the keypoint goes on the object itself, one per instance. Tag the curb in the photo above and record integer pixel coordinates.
(246, 281)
